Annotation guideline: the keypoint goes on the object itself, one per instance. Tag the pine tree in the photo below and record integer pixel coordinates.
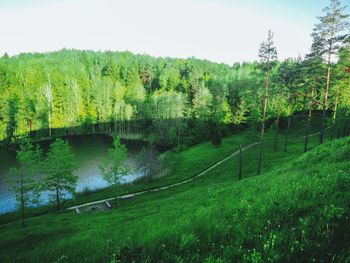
(330, 31)
(267, 55)
(313, 65)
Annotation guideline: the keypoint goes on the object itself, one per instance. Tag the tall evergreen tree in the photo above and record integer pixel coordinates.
(313, 79)
(331, 31)
(267, 55)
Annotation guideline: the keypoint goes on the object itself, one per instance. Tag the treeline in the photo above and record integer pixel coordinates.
(172, 101)
(121, 92)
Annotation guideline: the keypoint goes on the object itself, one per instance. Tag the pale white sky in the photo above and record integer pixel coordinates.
(223, 30)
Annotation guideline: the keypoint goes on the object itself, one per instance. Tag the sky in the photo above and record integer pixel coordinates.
(224, 31)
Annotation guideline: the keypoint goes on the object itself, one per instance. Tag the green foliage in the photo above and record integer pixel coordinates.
(167, 101)
(58, 167)
(114, 167)
(267, 52)
(202, 103)
(22, 179)
(332, 28)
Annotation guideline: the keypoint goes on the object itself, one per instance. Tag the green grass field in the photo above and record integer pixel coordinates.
(297, 210)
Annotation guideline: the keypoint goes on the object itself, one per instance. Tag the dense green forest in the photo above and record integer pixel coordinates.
(188, 191)
(172, 101)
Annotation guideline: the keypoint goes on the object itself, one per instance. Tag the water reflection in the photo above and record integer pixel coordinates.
(89, 152)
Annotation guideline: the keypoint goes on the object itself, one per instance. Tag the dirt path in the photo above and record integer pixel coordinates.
(77, 207)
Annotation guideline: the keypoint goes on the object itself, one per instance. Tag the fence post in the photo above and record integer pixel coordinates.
(240, 162)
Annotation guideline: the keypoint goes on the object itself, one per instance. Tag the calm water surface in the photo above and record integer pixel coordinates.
(89, 152)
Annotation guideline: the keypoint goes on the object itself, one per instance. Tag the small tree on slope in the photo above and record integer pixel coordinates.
(113, 168)
(21, 177)
(59, 166)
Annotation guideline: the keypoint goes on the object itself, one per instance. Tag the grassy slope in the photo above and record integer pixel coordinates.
(180, 166)
(188, 163)
(294, 213)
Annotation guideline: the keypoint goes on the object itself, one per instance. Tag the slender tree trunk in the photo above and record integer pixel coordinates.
(263, 121)
(325, 98)
(334, 115)
(277, 127)
(335, 109)
(287, 134)
(307, 130)
(265, 99)
(240, 162)
(308, 122)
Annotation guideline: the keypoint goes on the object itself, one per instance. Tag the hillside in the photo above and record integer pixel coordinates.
(298, 212)
(174, 131)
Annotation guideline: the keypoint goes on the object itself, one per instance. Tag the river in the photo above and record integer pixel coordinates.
(89, 151)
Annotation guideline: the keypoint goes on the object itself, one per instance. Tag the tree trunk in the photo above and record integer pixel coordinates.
(287, 134)
(325, 98)
(240, 162)
(335, 109)
(307, 130)
(265, 100)
(277, 128)
(263, 121)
